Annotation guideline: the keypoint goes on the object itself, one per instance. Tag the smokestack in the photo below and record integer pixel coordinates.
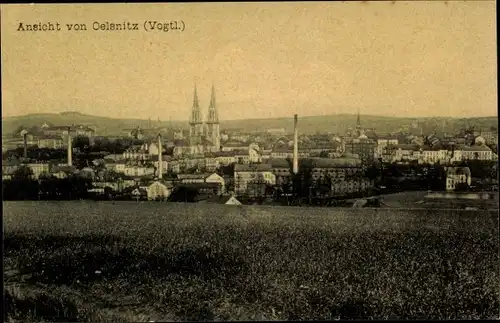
(295, 146)
(70, 148)
(160, 166)
(25, 142)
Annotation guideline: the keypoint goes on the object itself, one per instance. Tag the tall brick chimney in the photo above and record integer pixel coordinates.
(25, 143)
(70, 148)
(295, 146)
(160, 166)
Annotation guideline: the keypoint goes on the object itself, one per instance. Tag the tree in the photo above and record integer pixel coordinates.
(462, 187)
(23, 172)
(183, 194)
(372, 172)
(82, 143)
(226, 170)
(21, 186)
(323, 154)
(111, 176)
(108, 192)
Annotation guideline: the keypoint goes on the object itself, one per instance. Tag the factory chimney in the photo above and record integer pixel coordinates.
(160, 166)
(25, 142)
(70, 148)
(295, 146)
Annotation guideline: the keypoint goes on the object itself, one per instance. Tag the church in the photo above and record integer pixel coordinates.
(204, 137)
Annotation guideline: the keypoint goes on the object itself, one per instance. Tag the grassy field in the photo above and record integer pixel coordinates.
(128, 261)
(413, 199)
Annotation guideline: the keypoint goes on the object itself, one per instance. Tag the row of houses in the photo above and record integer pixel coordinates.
(439, 154)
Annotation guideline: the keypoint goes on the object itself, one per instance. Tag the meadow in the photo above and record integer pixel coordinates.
(127, 261)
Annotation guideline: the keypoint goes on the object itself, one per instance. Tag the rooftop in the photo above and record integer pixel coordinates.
(193, 176)
(252, 168)
(234, 143)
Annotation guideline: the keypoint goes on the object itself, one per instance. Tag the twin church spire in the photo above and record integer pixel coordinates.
(206, 133)
(196, 115)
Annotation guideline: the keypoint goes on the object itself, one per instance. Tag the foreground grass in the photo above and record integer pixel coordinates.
(139, 262)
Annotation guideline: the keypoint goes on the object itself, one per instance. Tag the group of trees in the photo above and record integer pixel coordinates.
(22, 186)
(116, 146)
(41, 154)
(481, 169)
(395, 176)
(412, 176)
(183, 194)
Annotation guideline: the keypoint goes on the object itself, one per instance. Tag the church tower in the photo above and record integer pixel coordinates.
(195, 121)
(213, 130)
(359, 127)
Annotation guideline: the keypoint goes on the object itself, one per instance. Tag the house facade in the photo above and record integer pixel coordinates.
(457, 175)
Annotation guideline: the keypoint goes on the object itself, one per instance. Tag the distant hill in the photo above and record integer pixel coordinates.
(103, 125)
(340, 123)
(312, 124)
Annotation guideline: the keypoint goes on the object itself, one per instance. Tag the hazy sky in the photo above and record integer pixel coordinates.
(265, 59)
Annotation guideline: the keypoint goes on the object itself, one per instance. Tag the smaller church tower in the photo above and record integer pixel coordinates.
(359, 127)
(195, 121)
(213, 127)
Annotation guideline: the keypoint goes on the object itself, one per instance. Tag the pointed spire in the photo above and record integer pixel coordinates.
(358, 122)
(213, 116)
(195, 110)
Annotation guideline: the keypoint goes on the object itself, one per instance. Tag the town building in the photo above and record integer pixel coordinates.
(383, 143)
(202, 178)
(62, 131)
(457, 175)
(252, 173)
(158, 190)
(234, 145)
(364, 147)
(50, 141)
(39, 169)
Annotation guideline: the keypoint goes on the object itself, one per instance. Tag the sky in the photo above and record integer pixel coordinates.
(265, 60)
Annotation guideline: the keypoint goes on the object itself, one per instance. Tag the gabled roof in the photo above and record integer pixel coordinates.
(278, 163)
(458, 171)
(193, 176)
(162, 182)
(241, 152)
(216, 199)
(220, 154)
(407, 147)
(475, 148)
(140, 191)
(49, 137)
(252, 168)
(334, 162)
(199, 185)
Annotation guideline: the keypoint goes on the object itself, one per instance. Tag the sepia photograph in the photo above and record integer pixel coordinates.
(250, 161)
